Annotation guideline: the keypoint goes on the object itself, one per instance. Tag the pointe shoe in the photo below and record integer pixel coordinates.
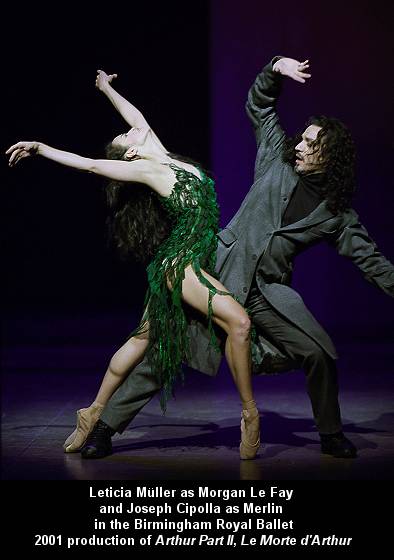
(70, 439)
(86, 419)
(250, 432)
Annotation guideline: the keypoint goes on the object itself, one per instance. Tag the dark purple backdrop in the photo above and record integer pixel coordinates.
(56, 263)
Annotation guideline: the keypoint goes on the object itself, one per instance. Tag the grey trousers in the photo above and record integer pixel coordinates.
(320, 369)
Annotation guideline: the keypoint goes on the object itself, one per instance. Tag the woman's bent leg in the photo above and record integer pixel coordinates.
(232, 317)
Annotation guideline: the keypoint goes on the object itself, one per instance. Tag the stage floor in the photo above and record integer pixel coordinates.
(198, 437)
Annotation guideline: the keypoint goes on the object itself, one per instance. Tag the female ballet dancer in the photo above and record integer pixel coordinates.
(181, 268)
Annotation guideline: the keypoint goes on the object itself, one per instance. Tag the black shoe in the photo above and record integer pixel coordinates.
(99, 443)
(338, 446)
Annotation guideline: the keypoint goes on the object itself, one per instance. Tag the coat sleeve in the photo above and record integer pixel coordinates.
(261, 108)
(353, 242)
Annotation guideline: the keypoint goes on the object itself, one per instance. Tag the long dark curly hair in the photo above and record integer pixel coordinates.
(338, 155)
(137, 223)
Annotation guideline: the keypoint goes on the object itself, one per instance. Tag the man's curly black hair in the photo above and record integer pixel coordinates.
(338, 155)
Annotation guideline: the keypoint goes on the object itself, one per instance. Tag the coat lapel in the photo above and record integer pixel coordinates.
(320, 214)
(288, 186)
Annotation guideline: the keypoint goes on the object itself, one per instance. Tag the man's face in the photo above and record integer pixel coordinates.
(308, 156)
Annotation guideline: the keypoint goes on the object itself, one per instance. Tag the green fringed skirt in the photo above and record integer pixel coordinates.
(194, 211)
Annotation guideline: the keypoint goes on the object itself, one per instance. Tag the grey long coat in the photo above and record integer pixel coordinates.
(255, 243)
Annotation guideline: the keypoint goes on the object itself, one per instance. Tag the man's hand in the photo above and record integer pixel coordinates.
(293, 69)
(21, 150)
(103, 79)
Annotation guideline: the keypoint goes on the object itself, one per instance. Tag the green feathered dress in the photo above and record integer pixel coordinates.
(194, 212)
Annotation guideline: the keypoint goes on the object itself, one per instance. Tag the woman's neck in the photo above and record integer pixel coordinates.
(153, 152)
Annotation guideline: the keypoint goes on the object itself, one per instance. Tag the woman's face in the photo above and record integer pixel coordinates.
(133, 138)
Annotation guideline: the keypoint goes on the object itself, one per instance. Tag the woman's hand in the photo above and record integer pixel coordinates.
(292, 68)
(103, 79)
(21, 150)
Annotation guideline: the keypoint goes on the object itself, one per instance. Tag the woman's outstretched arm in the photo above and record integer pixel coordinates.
(141, 171)
(131, 114)
(21, 150)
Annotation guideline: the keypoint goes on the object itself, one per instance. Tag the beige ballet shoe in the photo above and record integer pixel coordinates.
(250, 431)
(86, 419)
(70, 438)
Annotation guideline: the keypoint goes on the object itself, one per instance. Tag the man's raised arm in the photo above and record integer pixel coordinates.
(263, 95)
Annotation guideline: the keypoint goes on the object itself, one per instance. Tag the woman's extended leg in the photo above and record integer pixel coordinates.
(233, 319)
(124, 360)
